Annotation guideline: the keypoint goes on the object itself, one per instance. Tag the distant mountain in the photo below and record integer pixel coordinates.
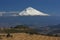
(32, 12)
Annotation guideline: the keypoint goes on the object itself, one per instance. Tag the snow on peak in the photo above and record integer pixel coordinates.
(32, 12)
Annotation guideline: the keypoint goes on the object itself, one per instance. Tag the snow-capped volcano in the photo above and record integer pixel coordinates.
(32, 12)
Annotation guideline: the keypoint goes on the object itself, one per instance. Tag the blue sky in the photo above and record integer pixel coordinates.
(51, 7)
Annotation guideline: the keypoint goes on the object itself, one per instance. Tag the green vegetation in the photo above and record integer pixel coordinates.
(21, 26)
(19, 29)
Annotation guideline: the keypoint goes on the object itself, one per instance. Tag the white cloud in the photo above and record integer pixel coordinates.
(11, 13)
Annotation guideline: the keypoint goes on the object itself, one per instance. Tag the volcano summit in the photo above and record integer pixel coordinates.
(32, 12)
